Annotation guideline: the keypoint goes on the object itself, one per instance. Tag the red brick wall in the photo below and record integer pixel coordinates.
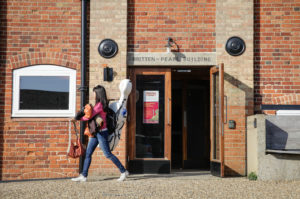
(277, 51)
(191, 24)
(36, 32)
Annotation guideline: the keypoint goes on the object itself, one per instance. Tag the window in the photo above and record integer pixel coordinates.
(288, 112)
(44, 91)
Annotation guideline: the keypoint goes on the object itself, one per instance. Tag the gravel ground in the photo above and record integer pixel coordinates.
(177, 185)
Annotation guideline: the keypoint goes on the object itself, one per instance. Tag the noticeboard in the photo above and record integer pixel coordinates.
(151, 107)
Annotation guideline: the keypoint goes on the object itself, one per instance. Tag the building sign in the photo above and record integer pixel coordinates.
(151, 107)
(173, 58)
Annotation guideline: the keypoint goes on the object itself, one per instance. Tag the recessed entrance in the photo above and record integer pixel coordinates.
(190, 119)
(176, 119)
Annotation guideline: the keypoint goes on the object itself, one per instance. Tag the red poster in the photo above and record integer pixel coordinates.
(151, 107)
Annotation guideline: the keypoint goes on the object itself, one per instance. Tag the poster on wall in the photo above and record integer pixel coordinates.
(151, 107)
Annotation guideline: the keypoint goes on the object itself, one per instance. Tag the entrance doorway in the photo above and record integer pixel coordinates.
(190, 119)
(176, 119)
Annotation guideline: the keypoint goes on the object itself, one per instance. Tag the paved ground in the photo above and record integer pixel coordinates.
(177, 185)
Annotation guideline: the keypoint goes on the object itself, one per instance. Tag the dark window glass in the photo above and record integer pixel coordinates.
(150, 128)
(44, 92)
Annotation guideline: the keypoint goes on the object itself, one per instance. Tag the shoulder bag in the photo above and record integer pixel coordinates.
(76, 149)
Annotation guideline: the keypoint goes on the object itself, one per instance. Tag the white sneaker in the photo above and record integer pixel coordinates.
(123, 176)
(80, 178)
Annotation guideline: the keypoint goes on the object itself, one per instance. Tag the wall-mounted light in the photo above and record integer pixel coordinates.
(108, 73)
(169, 44)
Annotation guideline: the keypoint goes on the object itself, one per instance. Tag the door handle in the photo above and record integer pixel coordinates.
(225, 122)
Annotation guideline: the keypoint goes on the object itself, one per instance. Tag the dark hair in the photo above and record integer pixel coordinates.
(101, 96)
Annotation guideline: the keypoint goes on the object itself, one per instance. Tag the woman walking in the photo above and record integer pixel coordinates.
(100, 137)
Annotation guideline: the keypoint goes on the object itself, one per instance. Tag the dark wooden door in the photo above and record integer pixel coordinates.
(149, 139)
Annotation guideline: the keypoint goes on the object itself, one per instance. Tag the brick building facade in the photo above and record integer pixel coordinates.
(48, 33)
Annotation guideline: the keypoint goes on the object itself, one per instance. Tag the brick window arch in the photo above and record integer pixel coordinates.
(291, 99)
(51, 58)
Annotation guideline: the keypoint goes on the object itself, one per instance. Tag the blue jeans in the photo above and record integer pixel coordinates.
(101, 139)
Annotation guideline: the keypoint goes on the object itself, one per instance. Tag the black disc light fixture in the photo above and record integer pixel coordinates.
(235, 46)
(108, 48)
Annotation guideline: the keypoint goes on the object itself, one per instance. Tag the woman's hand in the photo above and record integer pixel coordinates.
(72, 120)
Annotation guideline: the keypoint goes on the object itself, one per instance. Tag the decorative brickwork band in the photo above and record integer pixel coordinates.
(287, 99)
(53, 58)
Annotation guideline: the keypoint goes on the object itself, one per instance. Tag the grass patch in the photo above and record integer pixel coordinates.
(252, 176)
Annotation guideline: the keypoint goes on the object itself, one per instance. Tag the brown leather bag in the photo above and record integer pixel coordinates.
(75, 150)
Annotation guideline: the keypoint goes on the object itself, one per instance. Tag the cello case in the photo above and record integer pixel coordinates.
(121, 112)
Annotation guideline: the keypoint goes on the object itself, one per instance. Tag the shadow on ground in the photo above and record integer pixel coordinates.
(174, 174)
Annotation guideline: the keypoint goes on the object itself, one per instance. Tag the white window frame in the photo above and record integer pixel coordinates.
(288, 112)
(43, 70)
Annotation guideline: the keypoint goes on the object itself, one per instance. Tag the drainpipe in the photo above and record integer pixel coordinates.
(83, 87)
